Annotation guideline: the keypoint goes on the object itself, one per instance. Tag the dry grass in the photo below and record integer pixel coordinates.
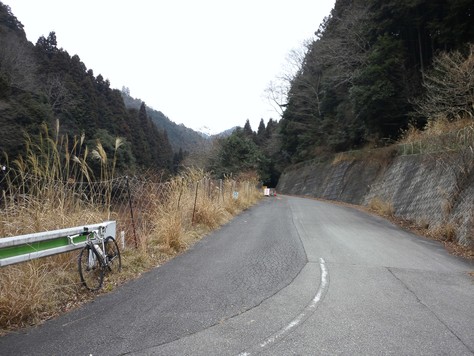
(38, 290)
(434, 128)
(381, 207)
(381, 155)
(440, 135)
(343, 157)
(443, 232)
(172, 216)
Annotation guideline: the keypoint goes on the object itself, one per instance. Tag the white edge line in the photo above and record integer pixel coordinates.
(302, 316)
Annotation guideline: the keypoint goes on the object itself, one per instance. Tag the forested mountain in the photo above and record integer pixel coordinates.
(43, 83)
(180, 136)
(374, 67)
(361, 76)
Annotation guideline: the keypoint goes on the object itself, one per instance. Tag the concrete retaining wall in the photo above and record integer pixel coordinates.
(432, 191)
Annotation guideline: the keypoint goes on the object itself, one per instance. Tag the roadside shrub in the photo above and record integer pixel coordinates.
(381, 207)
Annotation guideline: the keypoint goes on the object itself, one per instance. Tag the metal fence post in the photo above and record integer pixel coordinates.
(131, 212)
(221, 193)
(181, 188)
(195, 201)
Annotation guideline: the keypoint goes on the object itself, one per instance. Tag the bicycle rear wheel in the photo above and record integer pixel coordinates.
(112, 254)
(90, 268)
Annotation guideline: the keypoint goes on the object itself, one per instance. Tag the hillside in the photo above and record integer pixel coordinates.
(42, 84)
(375, 71)
(180, 136)
(370, 71)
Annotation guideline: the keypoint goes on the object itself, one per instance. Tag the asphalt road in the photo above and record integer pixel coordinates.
(290, 276)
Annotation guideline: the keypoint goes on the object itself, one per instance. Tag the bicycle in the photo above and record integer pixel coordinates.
(100, 254)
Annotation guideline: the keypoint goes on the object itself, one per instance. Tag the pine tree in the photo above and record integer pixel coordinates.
(261, 133)
(248, 129)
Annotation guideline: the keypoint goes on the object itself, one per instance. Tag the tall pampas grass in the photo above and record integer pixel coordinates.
(39, 195)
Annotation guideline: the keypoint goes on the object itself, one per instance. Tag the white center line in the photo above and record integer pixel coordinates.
(301, 317)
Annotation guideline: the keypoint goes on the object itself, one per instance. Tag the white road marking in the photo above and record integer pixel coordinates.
(302, 316)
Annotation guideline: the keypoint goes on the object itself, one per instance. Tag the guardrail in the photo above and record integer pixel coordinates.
(23, 248)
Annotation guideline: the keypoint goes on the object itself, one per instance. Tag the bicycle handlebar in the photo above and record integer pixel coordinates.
(98, 235)
(71, 239)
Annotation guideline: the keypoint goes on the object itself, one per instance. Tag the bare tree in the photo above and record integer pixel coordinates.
(344, 42)
(57, 94)
(278, 89)
(337, 52)
(449, 87)
(17, 65)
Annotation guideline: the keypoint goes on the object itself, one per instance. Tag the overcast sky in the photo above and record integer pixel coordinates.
(200, 62)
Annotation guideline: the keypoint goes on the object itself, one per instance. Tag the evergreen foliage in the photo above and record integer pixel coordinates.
(374, 68)
(180, 137)
(42, 83)
(361, 75)
(238, 153)
(248, 151)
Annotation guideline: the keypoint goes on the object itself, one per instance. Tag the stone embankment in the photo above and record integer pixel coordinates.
(434, 191)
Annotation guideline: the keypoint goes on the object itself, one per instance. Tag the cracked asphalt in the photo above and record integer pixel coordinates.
(257, 286)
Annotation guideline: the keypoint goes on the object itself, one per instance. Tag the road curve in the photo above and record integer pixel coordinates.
(290, 276)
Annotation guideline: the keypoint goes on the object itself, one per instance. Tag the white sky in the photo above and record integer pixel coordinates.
(200, 62)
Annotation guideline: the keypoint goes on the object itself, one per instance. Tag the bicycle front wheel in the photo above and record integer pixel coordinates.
(90, 268)
(112, 254)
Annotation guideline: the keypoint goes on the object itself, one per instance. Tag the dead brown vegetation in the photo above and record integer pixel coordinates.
(38, 195)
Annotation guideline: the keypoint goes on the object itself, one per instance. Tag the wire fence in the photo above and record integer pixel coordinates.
(447, 142)
(130, 200)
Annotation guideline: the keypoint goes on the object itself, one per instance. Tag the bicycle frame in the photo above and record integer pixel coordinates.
(94, 240)
(99, 255)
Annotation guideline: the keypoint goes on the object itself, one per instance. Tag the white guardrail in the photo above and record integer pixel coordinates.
(23, 248)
